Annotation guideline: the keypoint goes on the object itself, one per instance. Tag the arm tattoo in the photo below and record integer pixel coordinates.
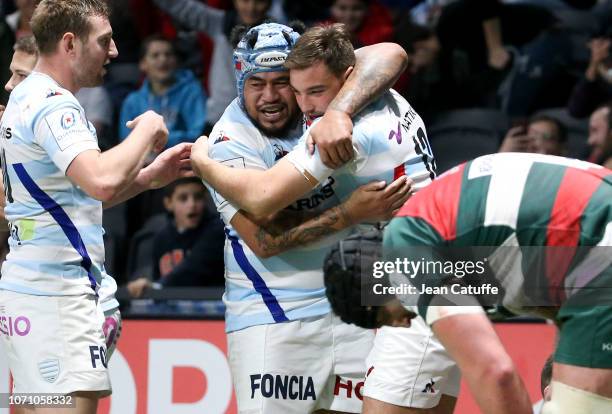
(366, 83)
(329, 222)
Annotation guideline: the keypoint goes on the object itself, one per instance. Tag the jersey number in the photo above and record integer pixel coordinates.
(422, 148)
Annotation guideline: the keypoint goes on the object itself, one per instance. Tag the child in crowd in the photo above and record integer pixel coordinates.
(173, 93)
(188, 251)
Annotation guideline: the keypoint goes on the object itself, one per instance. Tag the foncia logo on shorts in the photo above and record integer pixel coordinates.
(292, 387)
(14, 325)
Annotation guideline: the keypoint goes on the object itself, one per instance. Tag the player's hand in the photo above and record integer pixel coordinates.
(376, 202)
(156, 127)
(137, 287)
(199, 154)
(170, 165)
(333, 135)
(516, 140)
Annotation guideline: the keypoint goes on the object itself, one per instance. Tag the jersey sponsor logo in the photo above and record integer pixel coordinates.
(326, 191)
(68, 128)
(97, 352)
(348, 388)
(18, 326)
(49, 369)
(285, 387)
(271, 59)
(396, 134)
(68, 120)
(606, 347)
(429, 387)
(6, 132)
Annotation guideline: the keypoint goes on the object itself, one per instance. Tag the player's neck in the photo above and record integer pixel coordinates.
(58, 72)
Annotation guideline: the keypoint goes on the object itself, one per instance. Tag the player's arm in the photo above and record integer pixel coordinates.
(371, 202)
(167, 167)
(484, 362)
(260, 192)
(104, 176)
(377, 68)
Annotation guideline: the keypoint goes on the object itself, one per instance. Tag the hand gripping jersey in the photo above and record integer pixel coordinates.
(56, 245)
(285, 287)
(389, 140)
(522, 200)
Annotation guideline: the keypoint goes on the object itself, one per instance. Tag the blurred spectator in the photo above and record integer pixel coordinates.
(596, 85)
(367, 20)
(7, 40)
(218, 25)
(19, 21)
(600, 135)
(543, 135)
(97, 105)
(189, 250)
(175, 94)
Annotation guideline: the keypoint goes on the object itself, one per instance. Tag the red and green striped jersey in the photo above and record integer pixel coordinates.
(520, 200)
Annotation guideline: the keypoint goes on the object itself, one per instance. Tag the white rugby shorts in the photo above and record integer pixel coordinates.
(299, 366)
(409, 367)
(54, 344)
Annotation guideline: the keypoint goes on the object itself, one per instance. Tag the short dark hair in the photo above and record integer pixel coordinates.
(144, 47)
(330, 44)
(26, 44)
(561, 129)
(170, 188)
(54, 18)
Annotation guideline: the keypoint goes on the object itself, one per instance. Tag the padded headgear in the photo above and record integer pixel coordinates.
(348, 270)
(264, 48)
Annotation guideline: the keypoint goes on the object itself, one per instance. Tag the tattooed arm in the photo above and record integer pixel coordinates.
(376, 69)
(371, 202)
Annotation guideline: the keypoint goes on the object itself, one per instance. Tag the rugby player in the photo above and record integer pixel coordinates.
(287, 351)
(23, 61)
(515, 205)
(55, 184)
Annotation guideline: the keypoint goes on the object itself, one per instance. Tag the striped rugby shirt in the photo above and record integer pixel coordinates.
(285, 287)
(56, 236)
(514, 200)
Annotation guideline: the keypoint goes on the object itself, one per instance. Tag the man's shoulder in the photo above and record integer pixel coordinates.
(235, 126)
(39, 95)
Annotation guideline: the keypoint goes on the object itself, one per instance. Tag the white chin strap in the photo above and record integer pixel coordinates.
(570, 400)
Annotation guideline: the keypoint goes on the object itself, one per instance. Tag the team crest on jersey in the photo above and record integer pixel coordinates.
(68, 120)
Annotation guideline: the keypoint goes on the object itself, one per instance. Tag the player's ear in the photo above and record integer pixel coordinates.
(68, 43)
(347, 73)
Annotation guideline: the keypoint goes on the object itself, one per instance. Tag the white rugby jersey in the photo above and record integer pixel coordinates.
(389, 140)
(285, 287)
(56, 245)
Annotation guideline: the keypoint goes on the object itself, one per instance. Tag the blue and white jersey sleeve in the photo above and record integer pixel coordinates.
(63, 132)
